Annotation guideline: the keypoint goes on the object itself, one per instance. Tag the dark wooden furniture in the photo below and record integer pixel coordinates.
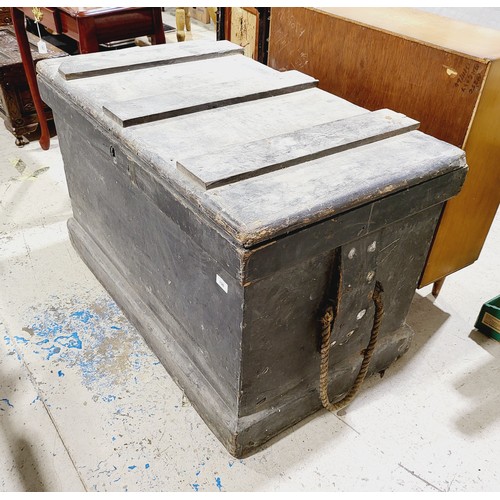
(5, 18)
(441, 72)
(16, 105)
(89, 26)
(225, 217)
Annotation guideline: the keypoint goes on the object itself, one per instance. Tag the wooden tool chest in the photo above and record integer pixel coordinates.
(224, 204)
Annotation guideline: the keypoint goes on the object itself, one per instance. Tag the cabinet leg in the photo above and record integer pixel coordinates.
(436, 288)
(158, 37)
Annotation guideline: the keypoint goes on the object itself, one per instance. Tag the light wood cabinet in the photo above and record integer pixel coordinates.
(441, 72)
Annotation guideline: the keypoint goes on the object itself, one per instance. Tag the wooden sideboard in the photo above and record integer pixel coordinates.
(441, 72)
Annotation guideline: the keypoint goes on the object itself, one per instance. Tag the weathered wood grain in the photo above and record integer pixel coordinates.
(207, 96)
(232, 164)
(302, 245)
(167, 267)
(262, 208)
(226, 284)
(132, 59)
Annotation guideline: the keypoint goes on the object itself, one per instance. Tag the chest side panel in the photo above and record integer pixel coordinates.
(169, 269)
(282, 328)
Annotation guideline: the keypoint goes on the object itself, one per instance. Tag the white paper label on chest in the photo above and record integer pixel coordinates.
(221, 282)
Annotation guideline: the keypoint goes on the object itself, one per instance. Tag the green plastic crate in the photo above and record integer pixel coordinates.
(488, 321)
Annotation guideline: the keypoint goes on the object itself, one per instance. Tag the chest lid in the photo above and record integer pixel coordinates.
(257, 151)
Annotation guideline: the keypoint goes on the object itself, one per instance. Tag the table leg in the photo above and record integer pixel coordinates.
(159, 35)
(180, 21)
(29, 69)
(187, 12)
(87, 35)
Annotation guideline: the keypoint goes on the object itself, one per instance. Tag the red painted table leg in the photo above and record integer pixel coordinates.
(29, 69)
(159, 35)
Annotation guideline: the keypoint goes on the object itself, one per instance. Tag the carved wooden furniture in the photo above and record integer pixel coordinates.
(441, 72)
(226, 214)
(89, 26)
(5, 19)
(16, 105)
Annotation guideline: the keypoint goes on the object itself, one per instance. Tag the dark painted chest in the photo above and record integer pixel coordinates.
(223, 204)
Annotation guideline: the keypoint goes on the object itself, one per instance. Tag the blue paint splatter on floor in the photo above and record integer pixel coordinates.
(132, 467)
(96, 339)
(195, 486)
(53, 350)
(109, 398)
(70, 341)
(231, 463)
(60, 373)
(5, 400)
(21, 339)
(218, 483)
(146, 466)
(84, 316)
(49, 328)
(6, 339)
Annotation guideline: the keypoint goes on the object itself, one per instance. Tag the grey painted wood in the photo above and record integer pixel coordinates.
(262, 208)
(339, 230)
(233, 164)
(252, 211)
(184, 370)
(167, 266)
(289, 302)
(132, 59)
(207, 96)
(227, 285)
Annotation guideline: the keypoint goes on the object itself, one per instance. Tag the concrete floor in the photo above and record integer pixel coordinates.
(85, 405)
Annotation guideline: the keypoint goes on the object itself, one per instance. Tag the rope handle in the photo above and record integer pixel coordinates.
(326, 333)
